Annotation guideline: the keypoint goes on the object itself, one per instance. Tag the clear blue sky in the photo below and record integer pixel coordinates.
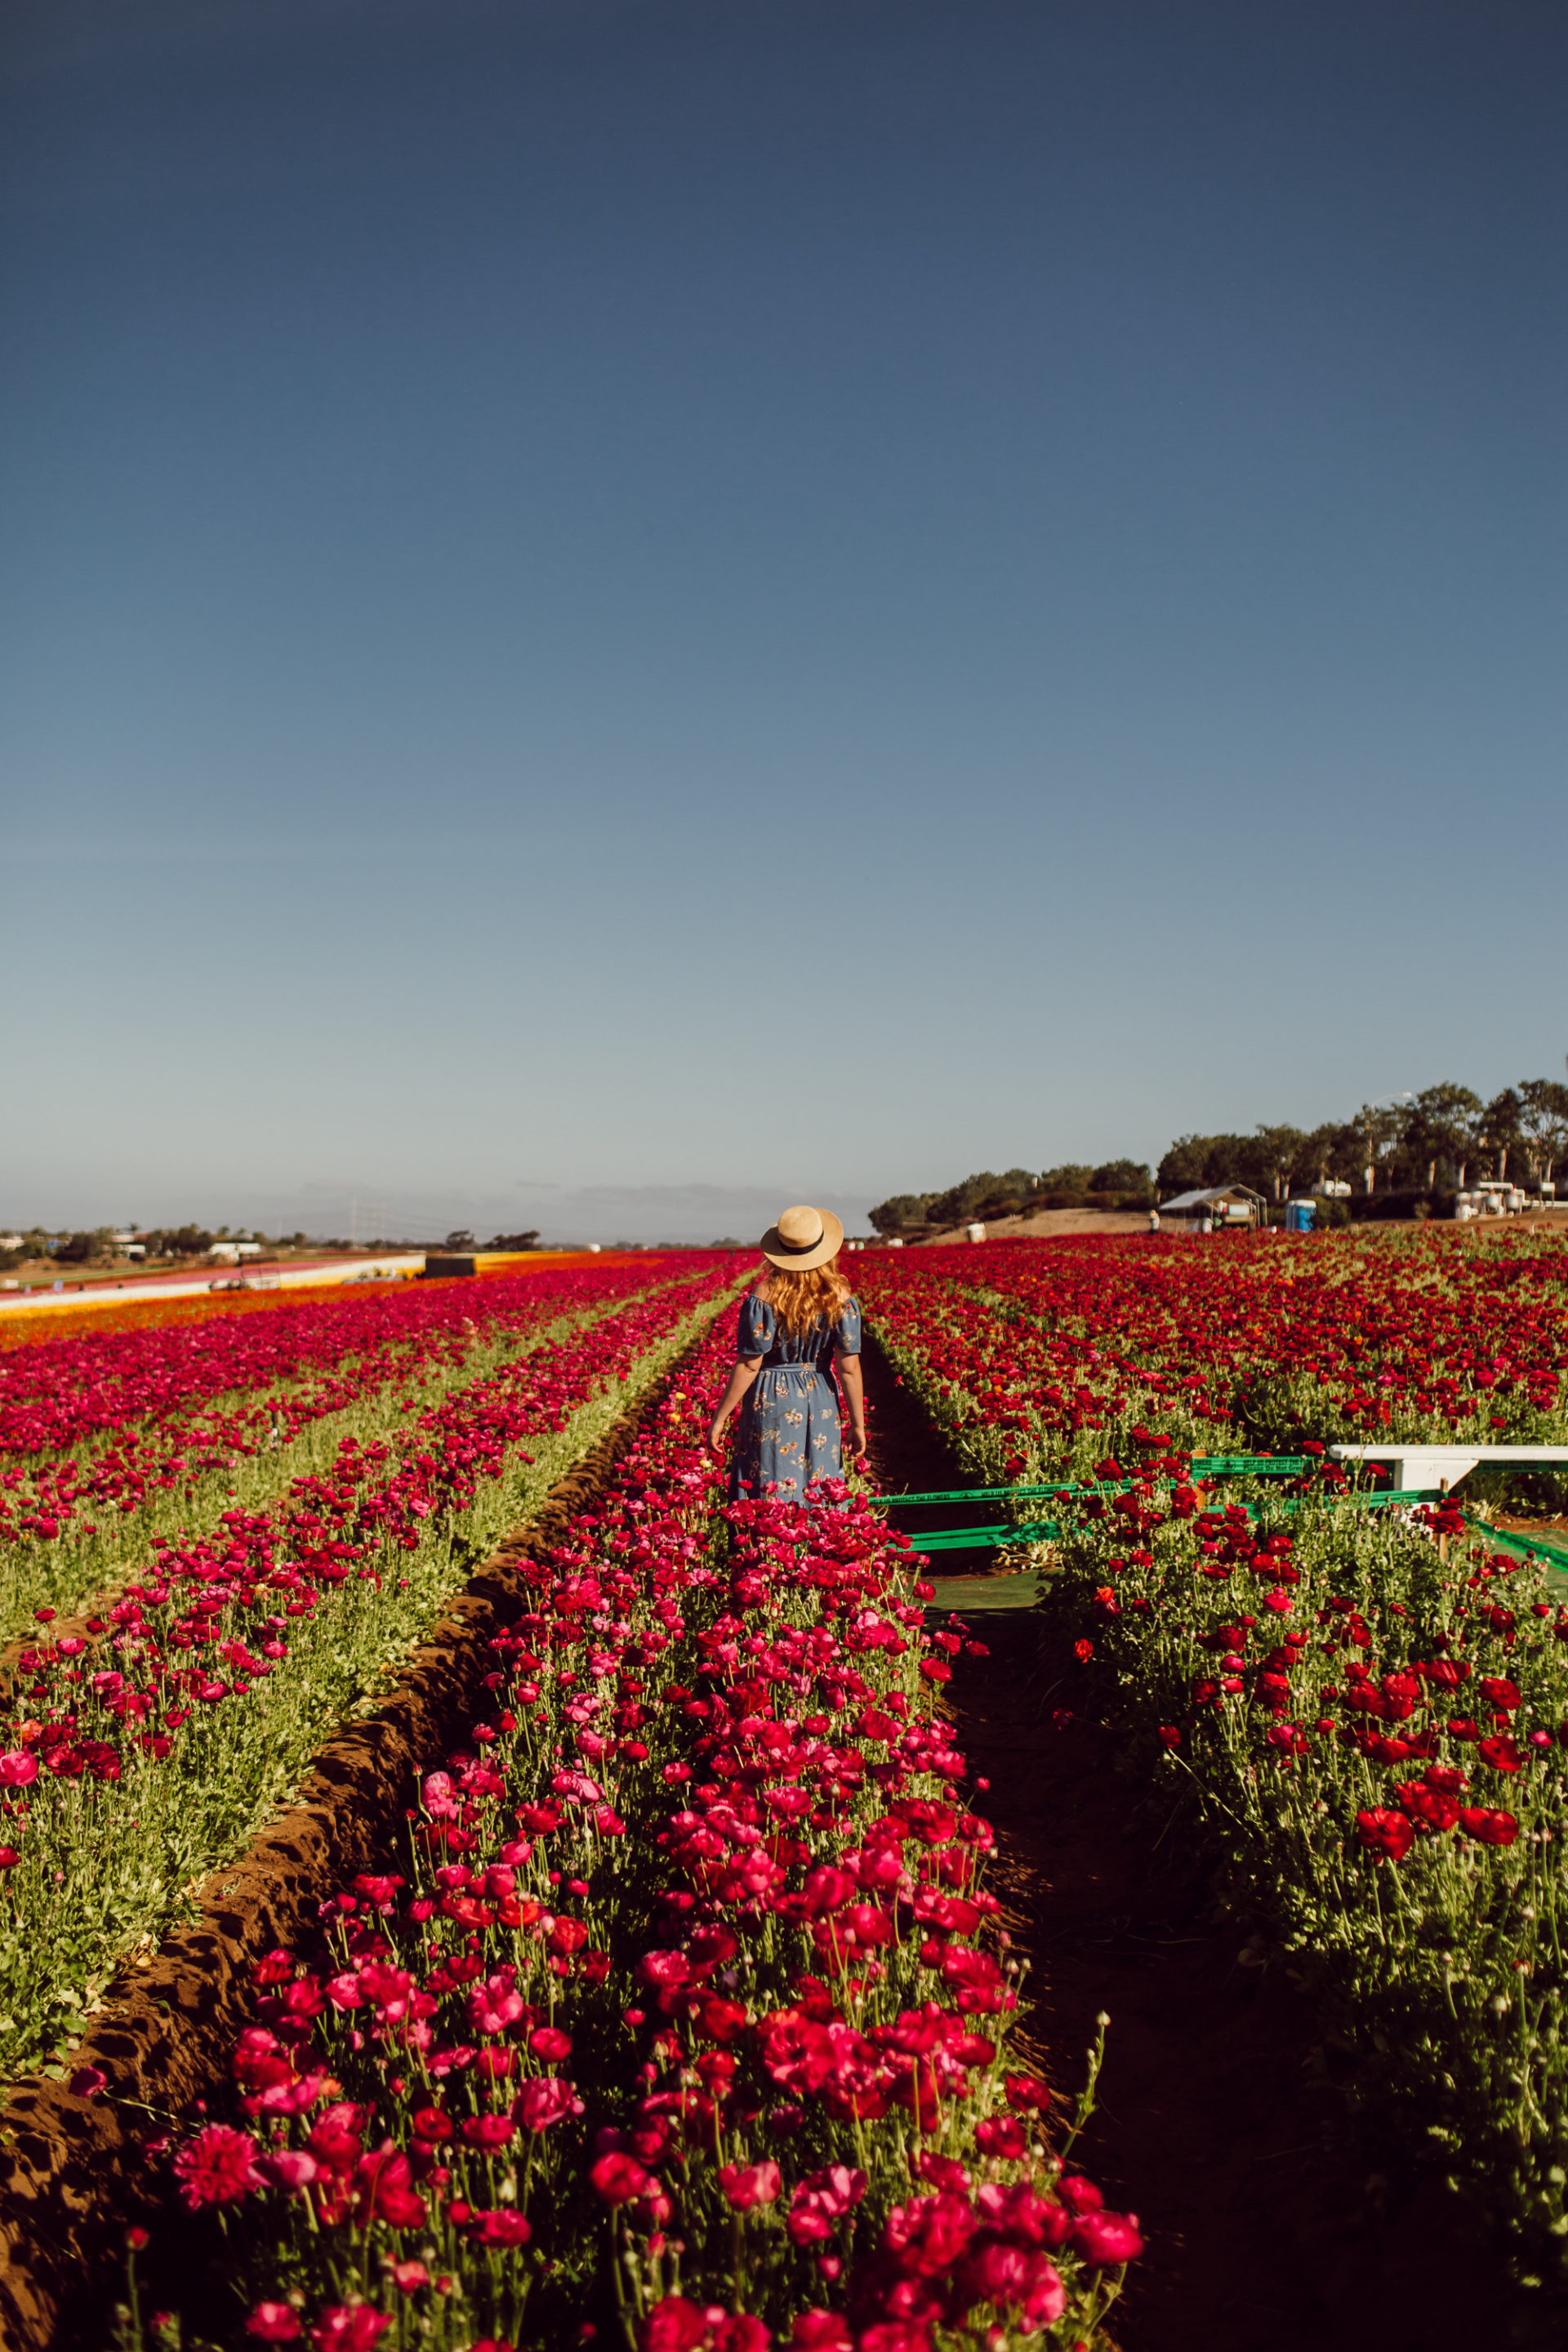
(614, 614)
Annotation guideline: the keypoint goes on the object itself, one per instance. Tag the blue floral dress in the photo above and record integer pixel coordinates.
(786, 1431)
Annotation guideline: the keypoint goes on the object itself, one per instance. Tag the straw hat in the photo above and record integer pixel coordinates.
(801, 1239)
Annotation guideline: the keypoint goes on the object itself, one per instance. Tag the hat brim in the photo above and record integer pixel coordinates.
(777, 1252)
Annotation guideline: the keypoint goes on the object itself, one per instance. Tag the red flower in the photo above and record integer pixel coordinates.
(674, 2325)
(1491, 1828)
(488, 2132)
(740, 2333)
(820, 2331)
(619, 2178)
(1501, 1753)
(502, 2227)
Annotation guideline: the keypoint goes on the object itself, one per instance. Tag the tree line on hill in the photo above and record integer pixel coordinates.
(1429, 1143)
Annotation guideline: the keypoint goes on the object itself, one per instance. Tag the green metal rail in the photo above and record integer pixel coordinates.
(1047, 1530)
(1205, 1465)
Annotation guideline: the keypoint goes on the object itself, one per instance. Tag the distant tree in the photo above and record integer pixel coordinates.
(901, 1212)
(1279, 1148)
(1378, 1127)
(460, 1241)
(1500, 1128)
(1128, 1179)
(1185, 1168)
(527, 1241)
(1442, 1126)
(1543, 1123)
(1072, 1176)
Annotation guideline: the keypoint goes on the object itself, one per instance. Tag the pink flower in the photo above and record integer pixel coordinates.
(87, 2082)
(619, 2178)
(216, 2168)
(408, 2277)
(674, 2325)
(274, 2323)
(740, 2333)
(488, 2132)
(820, 2331)
(349, 2328)
(288, 2167)
(821, 2199)
(749, 2184)
(18, 1769)
(503, 2227)
(543, 2100)
(1105, 2238)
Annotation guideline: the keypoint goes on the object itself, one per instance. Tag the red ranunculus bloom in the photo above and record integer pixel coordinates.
(1382, 1831)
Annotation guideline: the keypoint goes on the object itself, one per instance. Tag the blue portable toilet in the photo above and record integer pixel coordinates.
(1298, 1216)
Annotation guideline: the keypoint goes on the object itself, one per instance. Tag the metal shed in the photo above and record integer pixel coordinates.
(1222, 1205)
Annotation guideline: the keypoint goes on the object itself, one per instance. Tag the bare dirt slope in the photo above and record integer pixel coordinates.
(1047, 1224)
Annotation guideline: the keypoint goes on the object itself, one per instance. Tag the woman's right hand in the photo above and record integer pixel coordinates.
(714, 1436)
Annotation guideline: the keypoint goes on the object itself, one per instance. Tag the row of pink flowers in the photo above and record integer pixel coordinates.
(688, 2012)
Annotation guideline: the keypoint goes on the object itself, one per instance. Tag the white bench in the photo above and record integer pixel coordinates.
(1427, 1469)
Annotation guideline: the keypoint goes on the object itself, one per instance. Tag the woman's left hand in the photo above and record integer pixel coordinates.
(714, 1436)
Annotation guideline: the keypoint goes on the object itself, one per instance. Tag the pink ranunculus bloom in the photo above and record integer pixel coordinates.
(288, 2167)
(820, 2331)
(1107, 2238)
(674, 2325)
(217, 2166)
(503, 2227)
(408, 2277)
(618, 2177)
(274, 2323)
(18, 1768)
(542, 2101)
(488, 2132)
(349, 2328)
(87, 2082)
(740, 2333)
(821, 2200)
(746, 2185)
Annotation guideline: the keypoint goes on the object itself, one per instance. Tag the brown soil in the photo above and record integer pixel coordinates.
(71, 2174)
(1045, 1224)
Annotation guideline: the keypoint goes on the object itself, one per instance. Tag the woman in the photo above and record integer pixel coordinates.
(789, 1435)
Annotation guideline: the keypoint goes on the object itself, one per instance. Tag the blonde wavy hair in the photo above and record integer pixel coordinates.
(797, 1299)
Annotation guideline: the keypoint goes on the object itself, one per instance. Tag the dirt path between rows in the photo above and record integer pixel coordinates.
(1269, 2228)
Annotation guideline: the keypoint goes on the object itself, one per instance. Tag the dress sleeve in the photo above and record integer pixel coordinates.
(846, 1330)
(755, 1335)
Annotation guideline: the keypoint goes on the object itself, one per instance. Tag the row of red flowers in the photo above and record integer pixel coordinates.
(1038, 1356)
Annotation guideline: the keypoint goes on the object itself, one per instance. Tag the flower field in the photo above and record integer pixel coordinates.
(686, 2014)
(1039, 1361)
(676, 2010)
(1360, 1716)
(253, 1518)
